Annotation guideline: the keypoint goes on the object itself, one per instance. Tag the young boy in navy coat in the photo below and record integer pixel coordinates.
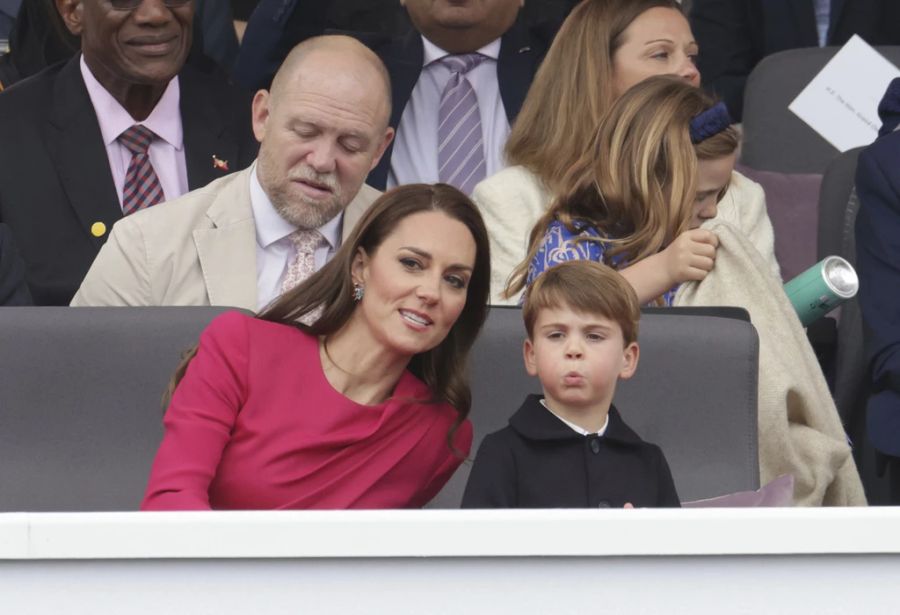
(571, 448)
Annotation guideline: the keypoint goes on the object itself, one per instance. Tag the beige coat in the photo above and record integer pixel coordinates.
(512, 201)
(199, 249)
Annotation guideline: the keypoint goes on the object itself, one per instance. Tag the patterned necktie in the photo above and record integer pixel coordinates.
(304, 262)
(142, 188)
(460, 139)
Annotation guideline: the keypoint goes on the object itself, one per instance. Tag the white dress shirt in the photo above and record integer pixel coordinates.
(274, 251)
(576, 428)
(415, 155)
(166, 153)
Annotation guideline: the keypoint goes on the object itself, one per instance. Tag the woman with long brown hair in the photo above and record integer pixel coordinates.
(603, 48)
(366, 406)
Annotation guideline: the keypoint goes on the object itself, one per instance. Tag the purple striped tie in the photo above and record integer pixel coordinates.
(142, 188)
(460, 139)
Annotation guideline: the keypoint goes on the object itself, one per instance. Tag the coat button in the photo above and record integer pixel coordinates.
(595, 446)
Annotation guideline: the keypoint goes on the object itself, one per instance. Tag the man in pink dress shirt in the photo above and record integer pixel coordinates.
(72, 170)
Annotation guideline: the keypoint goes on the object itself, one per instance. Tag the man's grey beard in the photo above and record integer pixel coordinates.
(306, 213)
(310, 214)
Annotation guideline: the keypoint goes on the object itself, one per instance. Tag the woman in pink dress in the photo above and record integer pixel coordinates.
(363, 408)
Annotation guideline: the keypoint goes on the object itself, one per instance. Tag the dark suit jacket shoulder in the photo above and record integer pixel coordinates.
(13, 290)
(878, 266)
(56, 188)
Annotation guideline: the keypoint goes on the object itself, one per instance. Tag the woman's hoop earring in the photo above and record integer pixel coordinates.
(358, 291)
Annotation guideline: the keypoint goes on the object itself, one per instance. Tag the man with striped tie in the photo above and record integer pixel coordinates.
(458, 80)
(121, 127)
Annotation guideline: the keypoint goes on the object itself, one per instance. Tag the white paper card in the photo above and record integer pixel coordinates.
(841, 102)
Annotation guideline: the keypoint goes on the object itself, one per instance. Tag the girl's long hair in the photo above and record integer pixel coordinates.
(636, 183)
(443, 368)
(572, 90)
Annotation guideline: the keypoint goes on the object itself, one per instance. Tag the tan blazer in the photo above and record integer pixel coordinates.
(199, 249)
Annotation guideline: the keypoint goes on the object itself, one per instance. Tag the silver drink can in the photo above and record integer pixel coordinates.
(821, 288)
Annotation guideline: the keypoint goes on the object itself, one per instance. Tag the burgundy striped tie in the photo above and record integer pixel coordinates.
(460, 139)
(142, 188)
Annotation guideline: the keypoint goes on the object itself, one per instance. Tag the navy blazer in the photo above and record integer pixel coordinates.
(734, 35)
(13, 290)
(56, 189)
(878, 265)
(278, 25)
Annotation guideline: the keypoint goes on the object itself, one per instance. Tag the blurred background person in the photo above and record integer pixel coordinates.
(734, 35)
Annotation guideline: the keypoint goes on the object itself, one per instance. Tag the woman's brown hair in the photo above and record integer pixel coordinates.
(572, 91)
(330, 290)
(637, 181)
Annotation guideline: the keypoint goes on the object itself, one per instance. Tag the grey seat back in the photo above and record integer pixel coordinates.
(774, 138)
(80, 393)
(694, 394)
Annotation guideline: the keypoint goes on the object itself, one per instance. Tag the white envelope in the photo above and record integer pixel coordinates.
(841, 102)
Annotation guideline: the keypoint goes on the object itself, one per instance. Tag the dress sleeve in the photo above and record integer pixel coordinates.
(200, 418)
(492, 482)
(462, 440)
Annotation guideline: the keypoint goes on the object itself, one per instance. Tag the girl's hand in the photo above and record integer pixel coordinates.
(691, 256)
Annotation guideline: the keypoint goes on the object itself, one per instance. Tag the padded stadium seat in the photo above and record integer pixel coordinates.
(694, 394)
(80, 393)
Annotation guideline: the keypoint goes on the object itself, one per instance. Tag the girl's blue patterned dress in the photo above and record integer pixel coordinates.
(560, 245)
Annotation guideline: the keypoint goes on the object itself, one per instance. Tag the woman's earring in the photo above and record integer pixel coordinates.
(358, 291)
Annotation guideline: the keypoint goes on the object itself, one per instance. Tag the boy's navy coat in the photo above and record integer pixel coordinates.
(539, 462)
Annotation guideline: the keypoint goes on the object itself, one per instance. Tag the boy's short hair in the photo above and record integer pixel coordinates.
(584, 286)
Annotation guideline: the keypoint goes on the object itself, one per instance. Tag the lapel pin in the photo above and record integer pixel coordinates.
(98, 229)
(524, 49)
(219, 164)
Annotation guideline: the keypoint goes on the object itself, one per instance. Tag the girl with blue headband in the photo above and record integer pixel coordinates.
(656, 169)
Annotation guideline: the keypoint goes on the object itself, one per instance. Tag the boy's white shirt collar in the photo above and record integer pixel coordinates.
(573, 426)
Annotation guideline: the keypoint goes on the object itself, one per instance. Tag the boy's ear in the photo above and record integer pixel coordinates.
(528, 354)
(630, 357)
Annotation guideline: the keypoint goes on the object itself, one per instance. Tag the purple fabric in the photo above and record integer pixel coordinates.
(461, 160)
(792, 201)
(779, 492)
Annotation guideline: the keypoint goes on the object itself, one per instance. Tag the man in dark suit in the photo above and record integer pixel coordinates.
(734, 35)
(878, 265)
(68, 166)
(508, 51)
(12, 272)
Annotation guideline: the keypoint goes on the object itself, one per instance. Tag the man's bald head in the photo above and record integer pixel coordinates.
(336, 53)
(322, 127)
